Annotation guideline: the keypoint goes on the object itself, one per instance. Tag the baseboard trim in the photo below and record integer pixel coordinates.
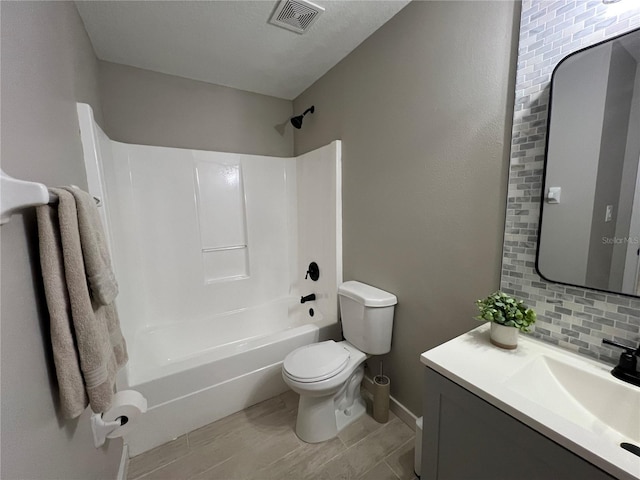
(402, 412)
(124, 463)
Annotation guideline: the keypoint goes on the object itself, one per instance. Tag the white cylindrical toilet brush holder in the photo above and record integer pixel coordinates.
(381, 386)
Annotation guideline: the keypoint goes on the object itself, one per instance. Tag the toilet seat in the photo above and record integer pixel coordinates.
(316, 362)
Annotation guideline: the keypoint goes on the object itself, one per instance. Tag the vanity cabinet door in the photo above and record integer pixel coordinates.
(465, 437)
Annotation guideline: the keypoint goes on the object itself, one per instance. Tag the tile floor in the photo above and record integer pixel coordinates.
(259, 443)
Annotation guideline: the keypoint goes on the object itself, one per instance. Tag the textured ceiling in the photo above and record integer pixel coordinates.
(231, 42)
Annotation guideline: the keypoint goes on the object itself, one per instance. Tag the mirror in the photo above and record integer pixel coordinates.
(590, 214)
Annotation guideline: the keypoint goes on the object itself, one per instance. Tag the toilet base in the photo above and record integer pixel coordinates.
(357, 410)
(321, 418)
(319, 421)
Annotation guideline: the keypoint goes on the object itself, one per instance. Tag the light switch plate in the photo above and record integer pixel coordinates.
(554, 194)
(608, 214)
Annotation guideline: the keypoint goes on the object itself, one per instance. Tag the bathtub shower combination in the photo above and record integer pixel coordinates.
(211, 251)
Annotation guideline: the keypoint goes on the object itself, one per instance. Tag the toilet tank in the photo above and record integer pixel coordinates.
(367, 316)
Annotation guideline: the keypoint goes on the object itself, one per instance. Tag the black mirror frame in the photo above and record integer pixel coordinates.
(544, 168)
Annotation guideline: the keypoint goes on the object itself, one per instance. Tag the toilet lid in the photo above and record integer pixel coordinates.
(316, 362)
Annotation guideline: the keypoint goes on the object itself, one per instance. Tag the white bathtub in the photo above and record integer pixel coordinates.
(193, 375)
(206, 298)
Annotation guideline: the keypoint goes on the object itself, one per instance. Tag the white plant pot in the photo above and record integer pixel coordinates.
(504, 337)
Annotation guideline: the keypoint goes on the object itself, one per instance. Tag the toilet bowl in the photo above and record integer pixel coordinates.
(327, 375)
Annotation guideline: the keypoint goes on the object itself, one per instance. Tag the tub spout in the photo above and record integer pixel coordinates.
(308, 298)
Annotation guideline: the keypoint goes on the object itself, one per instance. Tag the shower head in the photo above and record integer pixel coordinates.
(297, 121)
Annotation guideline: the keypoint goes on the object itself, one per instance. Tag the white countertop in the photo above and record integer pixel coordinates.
(472, 362)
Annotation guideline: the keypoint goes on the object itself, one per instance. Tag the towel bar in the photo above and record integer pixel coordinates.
(16, 195)
(53, 199)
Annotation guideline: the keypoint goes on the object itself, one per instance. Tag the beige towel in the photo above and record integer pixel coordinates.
(102, 281)
(87, 342)
(65, 354)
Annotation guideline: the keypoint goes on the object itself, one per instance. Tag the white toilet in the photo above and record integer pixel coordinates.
(327, 375)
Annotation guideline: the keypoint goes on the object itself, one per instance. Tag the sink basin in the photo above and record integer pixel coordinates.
(572, 400)
(594, 400)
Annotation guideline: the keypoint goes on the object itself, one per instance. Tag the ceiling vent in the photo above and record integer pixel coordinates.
(296, 15)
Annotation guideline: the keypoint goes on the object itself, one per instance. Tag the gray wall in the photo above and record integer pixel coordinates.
(47, 65)
(573, 318)
(619, 94)
(627, 189)
(423, 108)
(153, 108)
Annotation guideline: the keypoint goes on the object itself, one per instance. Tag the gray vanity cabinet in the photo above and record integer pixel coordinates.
(464, 437)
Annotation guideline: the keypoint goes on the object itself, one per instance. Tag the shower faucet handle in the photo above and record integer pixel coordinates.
(313, 271)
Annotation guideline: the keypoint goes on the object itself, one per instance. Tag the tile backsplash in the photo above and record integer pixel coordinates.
(570, 317)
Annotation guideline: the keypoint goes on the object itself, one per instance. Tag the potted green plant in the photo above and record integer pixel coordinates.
(508, 316)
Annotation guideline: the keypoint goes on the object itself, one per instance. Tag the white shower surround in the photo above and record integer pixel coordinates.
(203, 348)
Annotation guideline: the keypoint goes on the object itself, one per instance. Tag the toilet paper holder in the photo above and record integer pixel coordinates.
(101, 428)
(120, 419)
